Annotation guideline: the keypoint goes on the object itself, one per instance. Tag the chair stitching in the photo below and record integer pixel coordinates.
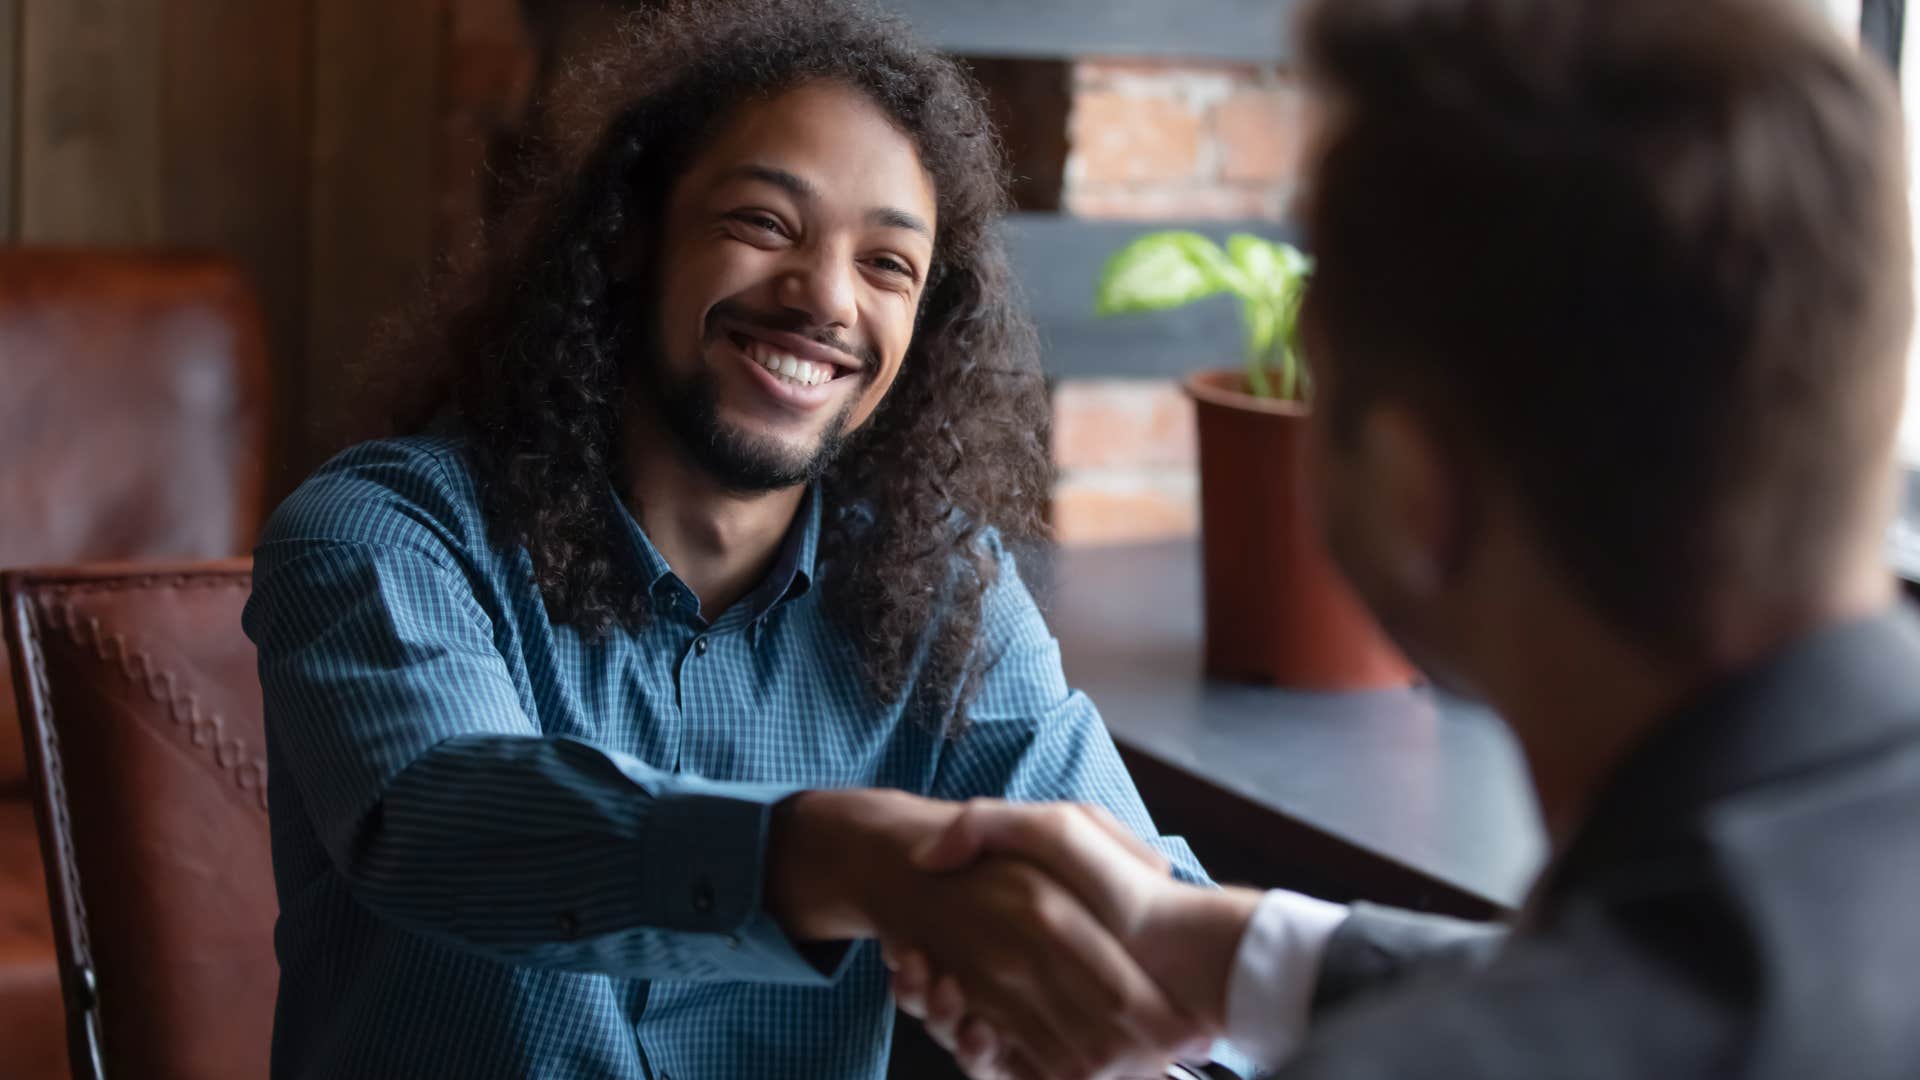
(203, 730)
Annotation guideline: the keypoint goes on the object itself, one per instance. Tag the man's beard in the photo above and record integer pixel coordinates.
(738, 461)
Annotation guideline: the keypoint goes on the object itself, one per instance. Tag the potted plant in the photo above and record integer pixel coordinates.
(1277, 610)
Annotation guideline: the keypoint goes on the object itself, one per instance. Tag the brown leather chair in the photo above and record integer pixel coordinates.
(133, 425)
(149, 771)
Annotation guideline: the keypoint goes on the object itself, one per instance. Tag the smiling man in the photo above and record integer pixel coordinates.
(605, 709)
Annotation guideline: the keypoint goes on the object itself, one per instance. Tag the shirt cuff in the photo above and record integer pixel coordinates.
(705, 857)
(1270, 990)
(704, 852)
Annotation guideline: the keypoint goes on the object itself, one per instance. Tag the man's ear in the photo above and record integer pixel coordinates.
(1422, 505)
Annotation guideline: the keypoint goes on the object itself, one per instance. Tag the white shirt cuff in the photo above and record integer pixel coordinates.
(1270, 990)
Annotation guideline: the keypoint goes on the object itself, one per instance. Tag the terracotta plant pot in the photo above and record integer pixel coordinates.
(1277, 610)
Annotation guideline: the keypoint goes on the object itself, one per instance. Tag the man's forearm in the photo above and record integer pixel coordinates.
(1190, 947)
(656, 876)
(833, 856)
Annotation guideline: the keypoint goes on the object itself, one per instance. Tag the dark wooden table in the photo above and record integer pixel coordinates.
(1405, 797)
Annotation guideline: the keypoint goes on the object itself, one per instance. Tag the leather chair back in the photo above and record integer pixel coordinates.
(133, 425)
(148, 766)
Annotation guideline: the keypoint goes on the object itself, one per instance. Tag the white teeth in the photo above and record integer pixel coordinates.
(803, 372)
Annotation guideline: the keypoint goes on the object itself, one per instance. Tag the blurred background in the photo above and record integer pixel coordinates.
(336, 149)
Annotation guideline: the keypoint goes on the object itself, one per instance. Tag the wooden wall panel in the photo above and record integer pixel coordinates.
(9, 114)
(1252, 31)
(376, 124)
(89, 132)
(234, 134)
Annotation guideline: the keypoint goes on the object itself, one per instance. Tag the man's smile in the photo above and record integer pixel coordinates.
(797, 383)
(797, 372)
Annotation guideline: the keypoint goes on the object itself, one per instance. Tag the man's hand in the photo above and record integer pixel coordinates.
(1184, 937)
(1054, 983)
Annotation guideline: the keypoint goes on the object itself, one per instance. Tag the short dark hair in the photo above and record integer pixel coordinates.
(531, 346)
(1649, 259)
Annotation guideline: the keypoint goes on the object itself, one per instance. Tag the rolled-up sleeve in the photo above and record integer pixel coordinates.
(436, 796)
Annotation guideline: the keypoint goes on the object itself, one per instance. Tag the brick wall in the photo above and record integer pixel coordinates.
(1158, 141)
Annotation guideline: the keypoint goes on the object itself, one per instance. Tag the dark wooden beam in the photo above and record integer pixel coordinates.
(1029, 101)
(1252, 31)
(9, 110)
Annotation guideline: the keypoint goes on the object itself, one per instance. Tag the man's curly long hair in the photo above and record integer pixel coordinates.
(525, 346)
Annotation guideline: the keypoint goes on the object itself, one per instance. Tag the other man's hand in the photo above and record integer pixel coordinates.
(1049, 976)
(1184, 937)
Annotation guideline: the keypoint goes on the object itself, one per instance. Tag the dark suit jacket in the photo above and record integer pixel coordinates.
(1744, 902)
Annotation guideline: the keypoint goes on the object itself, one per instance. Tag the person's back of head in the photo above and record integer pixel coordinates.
(1645, 262)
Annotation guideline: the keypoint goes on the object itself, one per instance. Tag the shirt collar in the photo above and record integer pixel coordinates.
(652, 565)
(791, 574)
(789, 577)
(1835, 694)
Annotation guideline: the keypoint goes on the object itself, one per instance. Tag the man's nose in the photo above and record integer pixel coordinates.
(821, 283)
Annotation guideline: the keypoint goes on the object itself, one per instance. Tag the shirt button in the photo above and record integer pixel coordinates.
(702, 897)
(568, 924)
(700, 646)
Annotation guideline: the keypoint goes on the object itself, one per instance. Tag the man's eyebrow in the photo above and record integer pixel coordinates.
(793, 185)
(888, 217)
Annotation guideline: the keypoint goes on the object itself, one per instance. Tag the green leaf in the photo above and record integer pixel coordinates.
(1290, 377)
(1262, 321)
(1277, 275)
(1275, 271)
(1165, 270)
(1258, 260)
(1257, 383)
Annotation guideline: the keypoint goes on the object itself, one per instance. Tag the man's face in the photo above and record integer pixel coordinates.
(795, 250)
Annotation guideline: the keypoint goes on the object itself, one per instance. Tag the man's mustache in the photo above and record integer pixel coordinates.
(787, 322)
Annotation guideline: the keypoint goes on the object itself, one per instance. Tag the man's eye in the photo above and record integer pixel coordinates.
(760, 221)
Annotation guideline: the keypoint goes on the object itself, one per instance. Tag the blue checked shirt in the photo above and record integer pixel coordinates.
(504, 851)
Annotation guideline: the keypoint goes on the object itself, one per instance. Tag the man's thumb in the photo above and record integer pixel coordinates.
(954, 847)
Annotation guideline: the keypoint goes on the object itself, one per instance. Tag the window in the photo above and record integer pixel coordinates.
(1910, 97)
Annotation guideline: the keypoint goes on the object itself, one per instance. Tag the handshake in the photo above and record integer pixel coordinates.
(1035, 941)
